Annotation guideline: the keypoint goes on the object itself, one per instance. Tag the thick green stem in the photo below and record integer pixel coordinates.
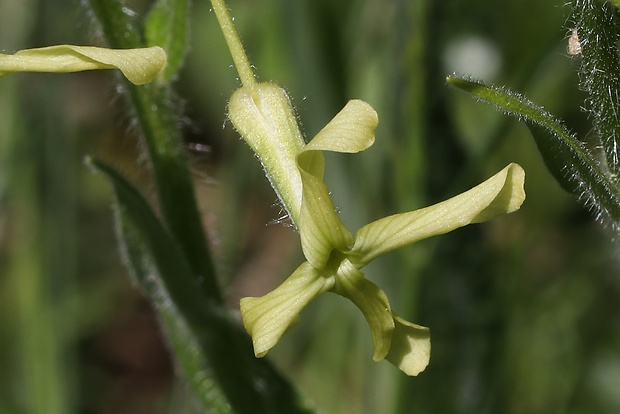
(164, 143)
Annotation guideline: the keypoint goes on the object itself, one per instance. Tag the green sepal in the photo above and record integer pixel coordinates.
(166, 26)
(574, 167)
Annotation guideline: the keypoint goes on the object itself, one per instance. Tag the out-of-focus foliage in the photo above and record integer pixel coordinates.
(523, 311)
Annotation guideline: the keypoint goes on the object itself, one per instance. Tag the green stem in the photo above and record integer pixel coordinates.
(246, 74)
(164, 143)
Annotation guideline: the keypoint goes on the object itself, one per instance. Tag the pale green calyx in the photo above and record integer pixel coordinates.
(334, 256)
(264, 117)
(139, 66)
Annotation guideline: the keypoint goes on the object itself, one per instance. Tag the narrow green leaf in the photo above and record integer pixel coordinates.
(161, 271)
(570, 162)
(212, 349)
(166, 26)
(597, 30)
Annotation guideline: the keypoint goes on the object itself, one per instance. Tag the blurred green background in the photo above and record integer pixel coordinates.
(523, 311)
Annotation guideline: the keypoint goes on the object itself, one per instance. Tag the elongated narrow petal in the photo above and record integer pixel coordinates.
(577, 169)
(268, 317)
(138, 65)
(500, 194)
(265, 119)
(373, 303)
(320, 229)
(410, 349)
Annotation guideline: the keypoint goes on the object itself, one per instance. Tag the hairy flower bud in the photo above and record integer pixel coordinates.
(264, 117)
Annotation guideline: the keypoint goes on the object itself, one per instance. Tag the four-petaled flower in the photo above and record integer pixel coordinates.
(262, 114)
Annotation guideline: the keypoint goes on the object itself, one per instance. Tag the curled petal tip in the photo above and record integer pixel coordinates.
(268, 317)
(252, 326)
(350, 131)
(410, 349)
(508, 184)
(501, 194)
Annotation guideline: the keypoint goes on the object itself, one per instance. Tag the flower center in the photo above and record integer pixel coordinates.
(336, 258)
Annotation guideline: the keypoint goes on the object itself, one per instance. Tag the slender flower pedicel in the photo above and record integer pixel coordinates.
(139, 66)
(264, 117)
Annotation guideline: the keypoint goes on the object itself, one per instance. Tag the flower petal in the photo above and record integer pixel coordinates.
(138, 65)
(410, 349)
(351, 130)
(268, 317)
(371, 300)
(500, 194)
(264, 117)
(320, 229)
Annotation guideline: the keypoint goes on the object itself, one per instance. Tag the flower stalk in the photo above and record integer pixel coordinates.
(246, 74)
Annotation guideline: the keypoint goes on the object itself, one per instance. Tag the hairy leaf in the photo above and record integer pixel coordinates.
(570, 162)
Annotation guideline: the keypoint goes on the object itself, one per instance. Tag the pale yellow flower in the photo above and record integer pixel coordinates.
(334, 257)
